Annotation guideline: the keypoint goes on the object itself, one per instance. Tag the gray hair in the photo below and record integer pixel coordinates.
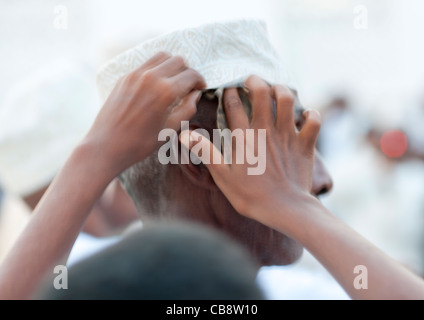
(145, 182)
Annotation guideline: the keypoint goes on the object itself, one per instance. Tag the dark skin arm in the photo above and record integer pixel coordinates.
(281, 197)
(159, 94)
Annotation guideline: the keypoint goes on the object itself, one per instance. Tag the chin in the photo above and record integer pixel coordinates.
(273, 248)
(282, 251)
(267, 246)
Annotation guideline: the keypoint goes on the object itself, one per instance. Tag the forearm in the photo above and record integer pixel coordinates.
(125, 131)
(55, 224)
(340, 250)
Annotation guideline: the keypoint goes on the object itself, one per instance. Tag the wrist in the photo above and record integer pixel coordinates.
(95, 160)
(308, 221)
(294, 215)
(115, 153)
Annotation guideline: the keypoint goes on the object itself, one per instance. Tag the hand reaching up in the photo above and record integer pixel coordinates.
(288, 154)
(159, 94)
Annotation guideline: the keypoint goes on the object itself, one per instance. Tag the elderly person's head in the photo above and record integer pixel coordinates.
(225, 54)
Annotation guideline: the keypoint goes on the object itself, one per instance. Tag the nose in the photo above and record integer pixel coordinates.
(322, 182)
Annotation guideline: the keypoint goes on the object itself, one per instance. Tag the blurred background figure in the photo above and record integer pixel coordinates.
(176, 261)
(342, 129)
(41, 121)
(412, 124)
(379, 180)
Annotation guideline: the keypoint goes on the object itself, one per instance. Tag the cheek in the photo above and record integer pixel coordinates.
(273, 248)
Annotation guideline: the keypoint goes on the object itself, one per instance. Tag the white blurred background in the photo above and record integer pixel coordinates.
(358, 62)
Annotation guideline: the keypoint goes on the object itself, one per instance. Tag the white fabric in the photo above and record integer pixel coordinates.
(41, 120)
(295, 282)
(87, 245)
(221, 52)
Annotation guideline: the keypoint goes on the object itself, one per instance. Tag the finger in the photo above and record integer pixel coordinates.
(154, 61)
(234, 111)
(205, 150)
(186, 81)
(284, 99)
(309, 133)
(185, 110)
(261, 98)
(170, 67)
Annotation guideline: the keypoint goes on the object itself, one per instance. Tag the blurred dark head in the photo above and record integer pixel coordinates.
(164, 262)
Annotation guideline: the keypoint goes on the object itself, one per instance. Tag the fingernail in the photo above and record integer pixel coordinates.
(198, 95)
(306, 112)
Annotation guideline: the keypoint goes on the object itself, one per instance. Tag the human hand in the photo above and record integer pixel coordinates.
(159, 94)
(289, 155)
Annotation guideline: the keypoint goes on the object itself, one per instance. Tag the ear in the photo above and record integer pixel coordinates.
(197, 174)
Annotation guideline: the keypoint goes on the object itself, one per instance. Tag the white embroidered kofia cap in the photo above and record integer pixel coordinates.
(41, 120)
(223, 53)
